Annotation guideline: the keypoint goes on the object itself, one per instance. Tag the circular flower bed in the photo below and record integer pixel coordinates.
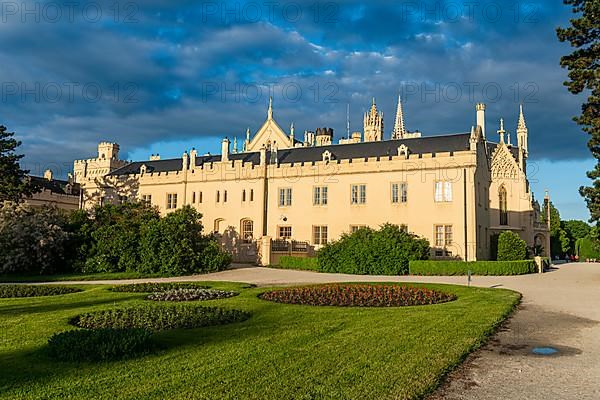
(358, 296)
(159, 318)
(153, 287)
(7, 291)
(190, 295)
(100, 344)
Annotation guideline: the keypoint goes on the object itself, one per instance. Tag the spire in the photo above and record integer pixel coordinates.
(501, 131)
(522, 132)
(399, 128)
(270, 112)
(348, 121)
(248, 134)
(235, 150)
(292, 139)
(521, 125)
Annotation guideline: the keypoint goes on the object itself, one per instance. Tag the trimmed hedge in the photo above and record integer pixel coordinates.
(159, 318)
(154, 287)
(511, 247)
(367, 251)
(100, 344)
(442, 267)
(302, 263)
(11, 291)
(587, 248)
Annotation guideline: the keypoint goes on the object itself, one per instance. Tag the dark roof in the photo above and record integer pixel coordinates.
(56, 185)
(428, 144)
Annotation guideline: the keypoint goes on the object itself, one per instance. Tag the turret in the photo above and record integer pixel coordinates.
(324, 136)
(225, 150)
(522, 132)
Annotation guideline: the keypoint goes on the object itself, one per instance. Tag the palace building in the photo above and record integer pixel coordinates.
(457, 190)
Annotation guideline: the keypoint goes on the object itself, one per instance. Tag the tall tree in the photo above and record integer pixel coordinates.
(583, 63)
(14, 182)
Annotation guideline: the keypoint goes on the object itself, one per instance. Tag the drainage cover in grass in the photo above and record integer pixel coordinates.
(544, 351)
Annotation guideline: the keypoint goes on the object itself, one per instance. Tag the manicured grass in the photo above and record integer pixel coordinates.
(77, 277)
(281, 352)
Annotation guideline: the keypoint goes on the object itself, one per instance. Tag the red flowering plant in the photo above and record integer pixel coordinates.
(360, 295)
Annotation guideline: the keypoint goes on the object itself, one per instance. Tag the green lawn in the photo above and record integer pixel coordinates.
(10, 278)
(281, 352)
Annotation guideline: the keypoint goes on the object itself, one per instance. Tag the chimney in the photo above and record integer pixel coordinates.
(263, 155)
(225, 150)
(193, 155)
(155, 157)
(48, 174)
(185, 159)
(480, 107)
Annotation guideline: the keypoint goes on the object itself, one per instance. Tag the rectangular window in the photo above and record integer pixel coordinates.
(224, 196)
(354, 228)
(320, 196)
(443, 191)
(251, 194)
(218, 196)
(199, 197)
(358, 194)
(147, 198)
(443, 235)
(399, 193)
(247, 230)
(285, 232)
(243, 195)
(320, 234)
(171, 201)
(285, 197)
(193, 197)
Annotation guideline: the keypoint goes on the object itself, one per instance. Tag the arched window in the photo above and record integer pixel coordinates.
(247, 230)
(217, 225)
(502, 197)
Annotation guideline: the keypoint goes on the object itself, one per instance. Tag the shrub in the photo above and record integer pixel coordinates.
(587, 248)
(158, 318)
(443, 267)
(35, 290)
(511, 247)
(386, 251)
(100, 344)
(152, 287)
(32, 240)
(116, 233)
(190, 295)
(174, 245)
(303, 263)
(358, 296)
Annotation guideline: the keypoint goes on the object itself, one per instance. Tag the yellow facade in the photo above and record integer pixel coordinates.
(455, 190)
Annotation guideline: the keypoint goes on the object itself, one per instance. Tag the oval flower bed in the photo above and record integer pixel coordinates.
(362, 295)
(153, 287)
(10, 291)
(158, 318)
(190, 295)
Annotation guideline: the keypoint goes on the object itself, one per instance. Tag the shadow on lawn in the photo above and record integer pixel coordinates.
(22, 369)
(61, 305)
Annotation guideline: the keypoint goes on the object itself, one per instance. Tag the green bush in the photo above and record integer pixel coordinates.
(302, 263)
(100, 344)
(7, 291)
(511, 247)
(174, 245)
(587, 248)
(154, 287)
(158, 318)
(443, 267)
(386, 251)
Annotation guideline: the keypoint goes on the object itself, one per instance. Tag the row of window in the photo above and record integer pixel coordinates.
(358, 194)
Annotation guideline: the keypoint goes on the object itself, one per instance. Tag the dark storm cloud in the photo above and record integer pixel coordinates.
(159, 71)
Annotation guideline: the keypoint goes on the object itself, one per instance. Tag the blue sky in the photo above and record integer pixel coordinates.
(164, 76)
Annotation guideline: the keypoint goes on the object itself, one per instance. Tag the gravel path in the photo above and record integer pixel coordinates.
(560, 309)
